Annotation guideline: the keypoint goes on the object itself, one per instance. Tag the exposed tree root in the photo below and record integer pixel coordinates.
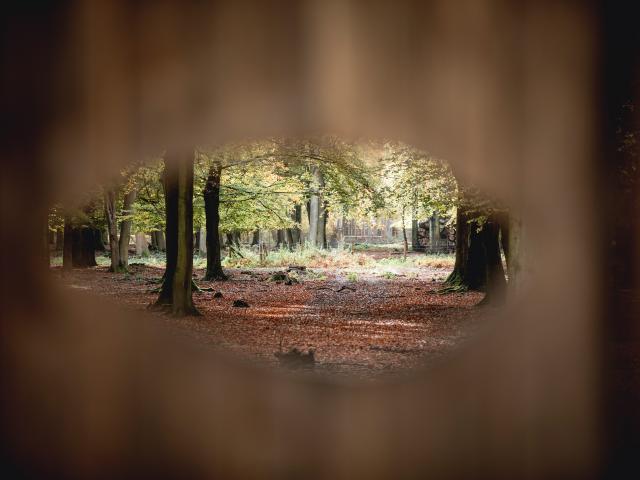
(215, 277)
(459, 288)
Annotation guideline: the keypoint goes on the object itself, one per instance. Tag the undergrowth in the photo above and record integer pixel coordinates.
(306, 257)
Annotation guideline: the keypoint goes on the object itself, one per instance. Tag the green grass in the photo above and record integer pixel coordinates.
(308, 257)
(352, 276)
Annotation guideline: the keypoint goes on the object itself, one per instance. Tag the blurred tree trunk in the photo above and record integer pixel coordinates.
(83, 253)
(404, 237)
(322, 224)
(202, 241)
(98, 241)
(67, 249)
(142, 248)
(255, 240)
(110, 205)
(314, 206)
(59, 239)
(415, 244)
(212, 214)
(296, 234)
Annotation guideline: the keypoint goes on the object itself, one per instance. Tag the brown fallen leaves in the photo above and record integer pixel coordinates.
(369, 329)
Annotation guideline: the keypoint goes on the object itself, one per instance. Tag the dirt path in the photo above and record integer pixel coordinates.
(370, 328)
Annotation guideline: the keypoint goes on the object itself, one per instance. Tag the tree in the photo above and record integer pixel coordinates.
(212, 211)
(110, 206)
(478, 264)
(125, 227)
(176, 292)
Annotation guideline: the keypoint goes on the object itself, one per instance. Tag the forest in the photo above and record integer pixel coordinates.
(356, 257)
(320, 239)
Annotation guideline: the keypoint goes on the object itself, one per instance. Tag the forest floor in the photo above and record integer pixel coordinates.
(370, 324)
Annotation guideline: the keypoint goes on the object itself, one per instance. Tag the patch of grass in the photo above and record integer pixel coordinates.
(352, 276)
(372, 247)
(389, 275)
(308, 257)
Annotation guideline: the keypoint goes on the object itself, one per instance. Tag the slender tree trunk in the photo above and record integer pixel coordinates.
(404, 237)
(288, 236)
(322, 224)
(279, 238)
(212, 213)
(255, 240)
(112, 225)
(59, 239)
(295, 231)
(67, 249)
(182, 281)
(315, 208)
(515, 258)
(415, 244)
(125, 229)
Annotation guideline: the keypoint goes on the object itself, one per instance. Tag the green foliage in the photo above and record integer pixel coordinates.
(352, 276)
(414, 184)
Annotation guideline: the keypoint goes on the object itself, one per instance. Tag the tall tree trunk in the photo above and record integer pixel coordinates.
(415, 244)
(67, 249)
(59, 239)
(514, 254)
(182, 280)
(98, 241)
(279, 238)
(170, 184)
(288, 236)
(322, 224)
(255, 239)
(142, 248)
(478, 262)
(125, 229)
(162, 244)
(110, 203)
(469, 271)
(212, 213)
(404, 237)
(296, 234)
(202, 241)
(495, 285)
(83, 252)
(316, 229)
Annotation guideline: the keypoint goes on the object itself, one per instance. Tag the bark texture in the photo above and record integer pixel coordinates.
(182, 281)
